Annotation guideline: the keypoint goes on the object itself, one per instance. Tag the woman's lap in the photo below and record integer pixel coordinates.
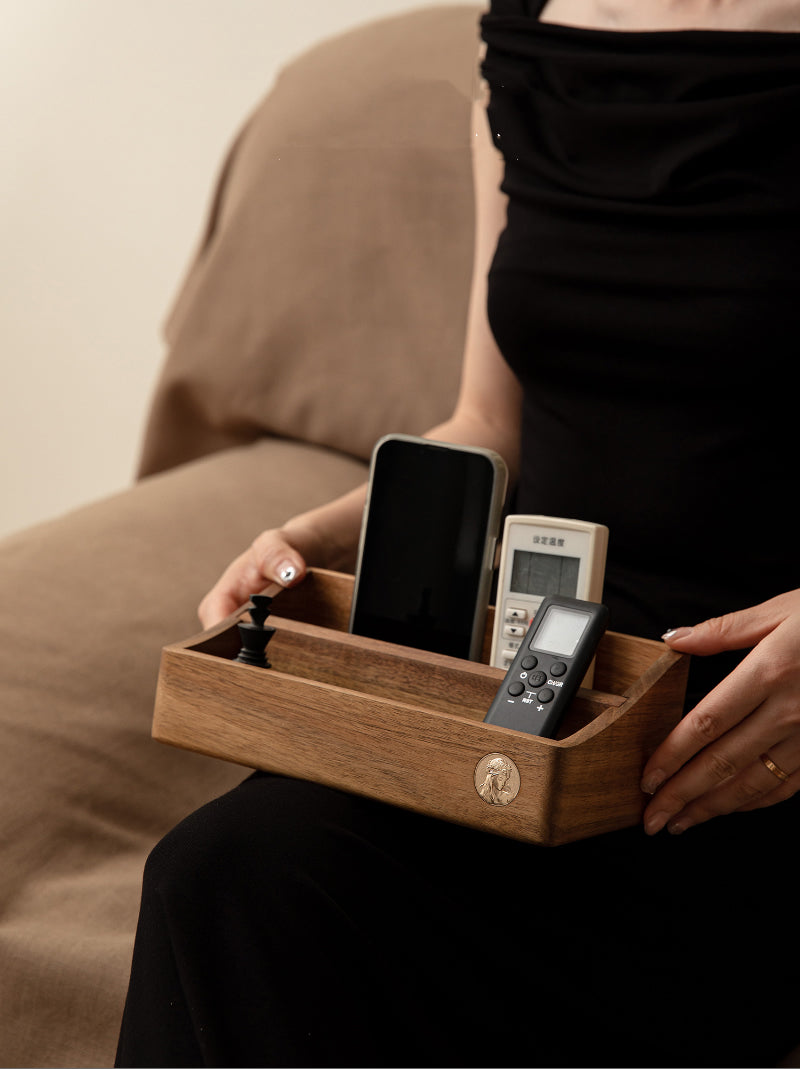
(289, 924)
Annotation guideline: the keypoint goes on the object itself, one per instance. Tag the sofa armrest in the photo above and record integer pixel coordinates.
(86, 603)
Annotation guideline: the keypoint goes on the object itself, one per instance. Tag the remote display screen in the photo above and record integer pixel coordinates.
(560, 631)
(544, 573)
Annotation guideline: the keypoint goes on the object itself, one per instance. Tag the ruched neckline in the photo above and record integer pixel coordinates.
(656, 116)
(526, 15)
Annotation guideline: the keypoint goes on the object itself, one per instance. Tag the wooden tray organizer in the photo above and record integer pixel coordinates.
(405, 726)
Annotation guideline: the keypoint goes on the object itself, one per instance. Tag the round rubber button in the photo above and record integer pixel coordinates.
(535, 679)
(515, 689)
(545, 695)
(528, 662)
(557, 668)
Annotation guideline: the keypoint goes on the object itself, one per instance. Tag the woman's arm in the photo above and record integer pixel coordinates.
(487, 413)
(488, 408)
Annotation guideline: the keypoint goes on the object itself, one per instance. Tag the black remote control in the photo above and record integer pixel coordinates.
(549, 666)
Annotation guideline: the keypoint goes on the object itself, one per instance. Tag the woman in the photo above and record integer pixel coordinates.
(639, 269)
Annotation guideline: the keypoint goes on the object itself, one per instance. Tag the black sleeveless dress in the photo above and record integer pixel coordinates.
(645, 292)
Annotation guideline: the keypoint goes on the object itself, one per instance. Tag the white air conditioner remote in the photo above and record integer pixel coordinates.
(541, 556)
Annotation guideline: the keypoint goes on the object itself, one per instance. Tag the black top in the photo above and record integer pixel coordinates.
(645, 291)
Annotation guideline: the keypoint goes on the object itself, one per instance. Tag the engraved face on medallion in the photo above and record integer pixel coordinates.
(497, 779)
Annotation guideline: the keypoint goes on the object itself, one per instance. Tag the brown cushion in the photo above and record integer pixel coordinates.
(328, 298)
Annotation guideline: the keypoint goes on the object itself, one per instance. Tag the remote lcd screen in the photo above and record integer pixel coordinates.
(560, 631)
(541, 574)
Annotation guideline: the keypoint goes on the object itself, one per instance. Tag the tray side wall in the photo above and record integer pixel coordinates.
(401, 754)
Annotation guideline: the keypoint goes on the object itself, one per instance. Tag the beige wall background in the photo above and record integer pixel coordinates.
(115, 115)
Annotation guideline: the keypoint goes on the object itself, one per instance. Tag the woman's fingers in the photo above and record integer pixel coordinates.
(270, 559)
(710, 763)
(759, 783)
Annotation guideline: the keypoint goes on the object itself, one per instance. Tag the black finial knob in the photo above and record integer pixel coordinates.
(255, 635)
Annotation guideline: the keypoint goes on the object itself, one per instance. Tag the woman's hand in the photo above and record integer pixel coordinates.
(326, 537)
(269, 559)
(739, 748)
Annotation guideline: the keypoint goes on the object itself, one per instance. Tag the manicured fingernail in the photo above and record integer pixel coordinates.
(653, 781)
(286, 573)
(678, 827)
(675, 633)
(655, 823)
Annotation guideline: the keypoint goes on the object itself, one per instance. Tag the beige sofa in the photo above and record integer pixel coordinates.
(325, 306)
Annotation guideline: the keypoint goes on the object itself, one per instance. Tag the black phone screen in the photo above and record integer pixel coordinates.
(424, 546)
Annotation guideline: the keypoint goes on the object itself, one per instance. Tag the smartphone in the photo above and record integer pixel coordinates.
(543, 555)
(428, 538)
(549, 666)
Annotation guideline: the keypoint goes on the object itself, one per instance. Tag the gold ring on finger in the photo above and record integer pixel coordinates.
(774, 769)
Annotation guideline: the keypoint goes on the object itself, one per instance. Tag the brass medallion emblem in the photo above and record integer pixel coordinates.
(497, 779)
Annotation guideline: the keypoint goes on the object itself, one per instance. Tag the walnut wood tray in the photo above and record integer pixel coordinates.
(405, 726)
